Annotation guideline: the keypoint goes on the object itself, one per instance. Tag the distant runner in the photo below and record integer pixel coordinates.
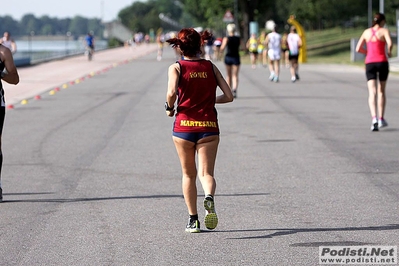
(90, 44)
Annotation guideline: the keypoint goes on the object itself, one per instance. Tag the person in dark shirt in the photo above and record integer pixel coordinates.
(231, 43)
(89, 44)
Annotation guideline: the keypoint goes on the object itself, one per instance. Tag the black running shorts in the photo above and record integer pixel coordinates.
(231, 60)
(293, 57)
(381, 68)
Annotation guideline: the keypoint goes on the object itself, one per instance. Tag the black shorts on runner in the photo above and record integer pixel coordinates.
(293, 57)
(231, 60)
(2, 116)
(382, 68)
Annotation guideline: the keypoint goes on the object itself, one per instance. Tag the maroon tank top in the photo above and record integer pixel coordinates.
(196, 97)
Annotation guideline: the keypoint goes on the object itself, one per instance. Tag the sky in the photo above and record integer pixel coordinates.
(103, 9)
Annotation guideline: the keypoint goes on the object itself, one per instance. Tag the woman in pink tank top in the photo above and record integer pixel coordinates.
(376, 44)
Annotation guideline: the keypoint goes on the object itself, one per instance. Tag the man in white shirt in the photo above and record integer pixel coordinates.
(294, 43)
(273, 42)
(8, 42)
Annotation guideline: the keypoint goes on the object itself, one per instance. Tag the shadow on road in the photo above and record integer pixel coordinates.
(112, 198)
(291, 231)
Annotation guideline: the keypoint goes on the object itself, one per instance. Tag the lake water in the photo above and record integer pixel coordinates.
(47, 50)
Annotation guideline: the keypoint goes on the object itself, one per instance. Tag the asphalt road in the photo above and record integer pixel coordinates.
(91, 176)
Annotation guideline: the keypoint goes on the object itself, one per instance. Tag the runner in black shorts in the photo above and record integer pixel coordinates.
(376, 44)
(381, 69)
(11, 76)
(231, 44)
(293, 57)
(285, 50)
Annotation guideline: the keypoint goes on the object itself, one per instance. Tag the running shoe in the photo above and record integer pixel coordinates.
(296, 76)
(275, 79)
(193, 226)
(293, 79)
(1, 194)
(382, 123)
(271, 77)
(374, 125)
(211, 219)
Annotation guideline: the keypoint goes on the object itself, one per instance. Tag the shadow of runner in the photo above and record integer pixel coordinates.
(291, 231)
(113, 198)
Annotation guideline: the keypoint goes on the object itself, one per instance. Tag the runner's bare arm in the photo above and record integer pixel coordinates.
(224, 43)
(360, 44)
(227, 95)
(388, 39)
(173, 80)
(11, 76)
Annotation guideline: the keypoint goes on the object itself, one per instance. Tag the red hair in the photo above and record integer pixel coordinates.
(190, 41)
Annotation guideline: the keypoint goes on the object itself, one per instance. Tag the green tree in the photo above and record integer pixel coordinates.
(208, 13)
(30, 24)
(255, 11)
(143, 16)
(47, 29)
(132, 16)
(7, 23)
(78, 26)
(62, 26)
(94, 24)
(320, 14)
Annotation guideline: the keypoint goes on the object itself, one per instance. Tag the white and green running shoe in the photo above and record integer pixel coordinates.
(193, 226)
(211, 219)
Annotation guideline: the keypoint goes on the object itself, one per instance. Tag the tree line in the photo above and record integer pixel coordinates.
(312, 14)
(45, 25)
(144, 16)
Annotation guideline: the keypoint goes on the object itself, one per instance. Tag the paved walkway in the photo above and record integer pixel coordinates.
(91, 175)
(55, 75)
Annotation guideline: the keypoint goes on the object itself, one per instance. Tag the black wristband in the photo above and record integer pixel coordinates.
(167, 108)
